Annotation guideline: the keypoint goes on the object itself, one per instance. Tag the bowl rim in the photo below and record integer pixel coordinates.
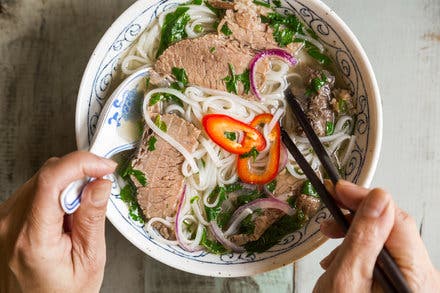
(370, 165)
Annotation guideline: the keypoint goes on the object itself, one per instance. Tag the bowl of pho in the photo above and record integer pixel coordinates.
(210, 188)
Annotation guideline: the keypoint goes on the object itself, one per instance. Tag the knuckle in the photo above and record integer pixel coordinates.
(405, 218)
(44, 177)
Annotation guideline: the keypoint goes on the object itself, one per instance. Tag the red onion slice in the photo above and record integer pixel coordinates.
(261, 203)
(218, 234)
(283, 157)
(266, 53)
(179, 236)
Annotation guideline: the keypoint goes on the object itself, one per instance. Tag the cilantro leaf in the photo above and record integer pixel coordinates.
(211, 245)
(151, 143)
(128, 195)
(316, 84)
(252, 153)
(277, 3)
(276, 232)
(329, 128)
(231, 81)
(272, 185)
(225, 30)
(308, 189)
(230, 135)
(261, 3)
(159, 123)
(173, 29)
(180, 75)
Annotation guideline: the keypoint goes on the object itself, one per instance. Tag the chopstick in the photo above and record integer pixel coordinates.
(386, 271)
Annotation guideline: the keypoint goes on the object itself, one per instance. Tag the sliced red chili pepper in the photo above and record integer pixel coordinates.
(244, 164)
(223, 130)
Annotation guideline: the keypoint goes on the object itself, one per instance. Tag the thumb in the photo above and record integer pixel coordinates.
(365, 238)
(88, 239)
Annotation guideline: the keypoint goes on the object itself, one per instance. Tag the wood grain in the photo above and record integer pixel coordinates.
(45, 46)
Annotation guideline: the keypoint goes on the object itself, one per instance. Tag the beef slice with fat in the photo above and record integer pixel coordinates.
(163, 168)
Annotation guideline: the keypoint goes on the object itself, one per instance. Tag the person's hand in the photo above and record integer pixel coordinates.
(378, 222)
(35, 251)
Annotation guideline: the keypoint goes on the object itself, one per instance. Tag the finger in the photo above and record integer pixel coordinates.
(407, 248)
(88, 239)
(46, 214)
(349, 194)
(366, 236)
(332, 229)
(326, 261)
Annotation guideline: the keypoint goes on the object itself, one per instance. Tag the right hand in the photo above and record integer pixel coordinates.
(377, 222)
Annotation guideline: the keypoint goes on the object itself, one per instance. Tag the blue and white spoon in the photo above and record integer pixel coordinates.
(117, 130)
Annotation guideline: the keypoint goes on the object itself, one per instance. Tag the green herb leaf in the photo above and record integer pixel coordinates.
(308, 189)
(277, 3)
(194, 198)
(212, 49)
(231, 81)
(128, 195)
(247, 226)
(276, 232)
(140, 176)
(151, 143)
(230, 135)
(225, 30)
(329, 128)
(316, 84)
(248, 197)
(284, 27)
(218, 11)
(272, 185)
(252, 153)
(342, 106)
(196, 2)
(318, 56)
(159, 123)
(244, 78)
(198, 28)
(180, 75)
(173, 29)
(223, 218)
(212, 212)
(147, 82)
(261, 3)
(211, 245)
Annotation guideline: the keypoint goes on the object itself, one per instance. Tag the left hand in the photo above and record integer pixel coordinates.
(35, 253)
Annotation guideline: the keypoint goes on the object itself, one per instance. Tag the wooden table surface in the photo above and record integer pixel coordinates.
(45, 46)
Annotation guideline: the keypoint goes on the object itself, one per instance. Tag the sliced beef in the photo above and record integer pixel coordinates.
(287, 186)
(163, 168)
(244, 21)
(319, 110)
(206, 60)
(308, 204)
(262, 222)
(222, 4)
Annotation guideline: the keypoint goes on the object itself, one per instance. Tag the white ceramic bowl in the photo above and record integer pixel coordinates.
(100, 79)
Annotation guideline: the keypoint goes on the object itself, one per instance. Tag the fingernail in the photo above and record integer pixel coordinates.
(328, 185)
(347, 185)
(375, 204)
(100, 194)
(112, 164)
